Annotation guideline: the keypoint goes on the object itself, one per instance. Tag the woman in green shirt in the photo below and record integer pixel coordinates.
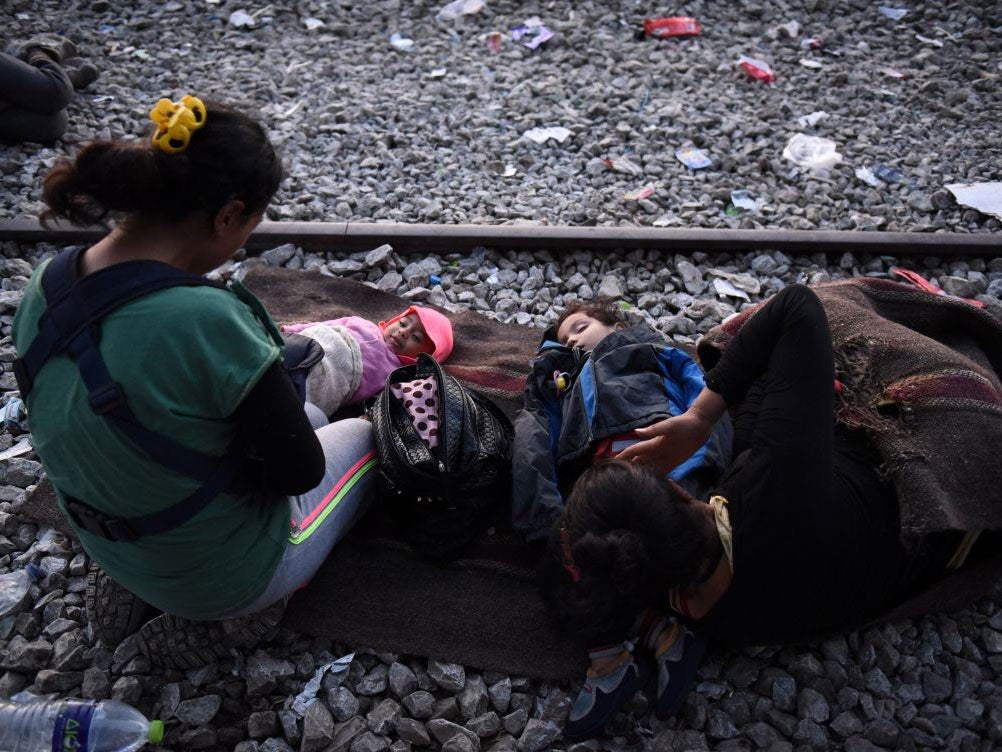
(199, 366)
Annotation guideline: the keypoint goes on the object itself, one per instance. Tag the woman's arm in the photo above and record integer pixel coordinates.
(288, 458)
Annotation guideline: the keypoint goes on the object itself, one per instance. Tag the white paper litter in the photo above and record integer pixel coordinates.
(725, 289)
(929, 40)
(812, 152)
(623, 164)
(312, 23)
(306, 698)
(810, 63)
(985, 197)
(742, 200)
(509, 171)
(541, 135)
(743, 282)
(21, 447)
(458, 8)
(241, 19)
(401, 43)
(809, 121)
(864, 174)
(895, 14)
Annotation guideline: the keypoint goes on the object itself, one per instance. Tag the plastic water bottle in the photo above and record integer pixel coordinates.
(87, 726)
(14, 588)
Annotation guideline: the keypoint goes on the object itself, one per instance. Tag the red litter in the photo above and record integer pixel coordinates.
(675, 26)
(757, 69)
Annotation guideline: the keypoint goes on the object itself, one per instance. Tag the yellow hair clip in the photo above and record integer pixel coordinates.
(176, 121)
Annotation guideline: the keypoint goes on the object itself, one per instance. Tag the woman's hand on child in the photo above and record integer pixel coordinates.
(670, 442)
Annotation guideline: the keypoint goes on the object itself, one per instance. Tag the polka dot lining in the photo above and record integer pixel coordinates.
(423, 415)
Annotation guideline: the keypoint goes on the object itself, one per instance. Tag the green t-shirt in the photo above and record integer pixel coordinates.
(185, 357)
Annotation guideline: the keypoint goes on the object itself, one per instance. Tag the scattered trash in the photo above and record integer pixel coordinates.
(693, 158)
(888, 174)
(809, 121)
(23, 446)
(663, 221)
(495, 41)
(308, 695)
(895, 14)
(864, 174)
(437, 72)
(810, 63)
(312, 23)
(812, 43)
(985, 197)
(15, 590)
(509, 171)
(892, 73)
(533, 32)
(401, 43)
(13, 414)
(141, 54)
(757, 69)
(811, 152)
(103, 98)
(742, 200)
(644, 101)
(458, 8)
(640, 194)
(541, 135)
(725, 289)
(622, 164)
(674, 26)
(434, 279)
(743, 282)
(241, 19)
(928, 40)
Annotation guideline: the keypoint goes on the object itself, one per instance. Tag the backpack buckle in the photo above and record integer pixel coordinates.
(98, 523)
(107, 398)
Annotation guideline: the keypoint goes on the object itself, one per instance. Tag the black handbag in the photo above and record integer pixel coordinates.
(442, 497)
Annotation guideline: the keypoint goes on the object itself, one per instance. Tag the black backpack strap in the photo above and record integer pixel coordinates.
(70, 324)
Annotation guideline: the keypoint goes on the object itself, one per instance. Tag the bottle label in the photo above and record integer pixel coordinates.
(72, 727)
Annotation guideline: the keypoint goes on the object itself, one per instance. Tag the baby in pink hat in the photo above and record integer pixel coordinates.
(359, 354)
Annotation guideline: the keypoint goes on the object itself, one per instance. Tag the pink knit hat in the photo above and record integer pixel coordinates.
(436, 325)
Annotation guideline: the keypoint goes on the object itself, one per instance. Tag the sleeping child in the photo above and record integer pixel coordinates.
(359, 354)
(593, 381)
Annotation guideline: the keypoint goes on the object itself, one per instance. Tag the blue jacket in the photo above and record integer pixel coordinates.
(633, 378)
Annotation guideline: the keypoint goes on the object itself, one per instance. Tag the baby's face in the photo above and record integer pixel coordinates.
(406, 336)
(581, 330)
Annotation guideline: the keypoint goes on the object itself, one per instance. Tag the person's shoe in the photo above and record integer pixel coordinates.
(173, 642)
(676, 670)
(82, 73)
(113, 612)
(57, 47)
(601, 697)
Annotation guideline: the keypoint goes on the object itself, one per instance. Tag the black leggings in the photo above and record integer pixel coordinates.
(33, 100)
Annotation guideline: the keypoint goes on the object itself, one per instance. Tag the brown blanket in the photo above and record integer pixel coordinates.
(920, 373)
(484, 610)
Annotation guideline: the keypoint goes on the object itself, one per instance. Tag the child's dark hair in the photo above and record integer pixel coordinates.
(228, 158)
(603, 309)
(624, 540)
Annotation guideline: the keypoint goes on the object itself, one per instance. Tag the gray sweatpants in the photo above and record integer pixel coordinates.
(322, 517)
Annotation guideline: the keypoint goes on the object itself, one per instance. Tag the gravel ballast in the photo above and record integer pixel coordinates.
(435, 134)
(929, 683)
(371, 133)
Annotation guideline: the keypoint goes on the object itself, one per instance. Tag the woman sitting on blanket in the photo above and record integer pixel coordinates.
(359, 354)
(592, 383)
(801, 536)
(200, 367)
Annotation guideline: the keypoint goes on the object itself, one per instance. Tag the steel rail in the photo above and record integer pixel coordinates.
(427, 238)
